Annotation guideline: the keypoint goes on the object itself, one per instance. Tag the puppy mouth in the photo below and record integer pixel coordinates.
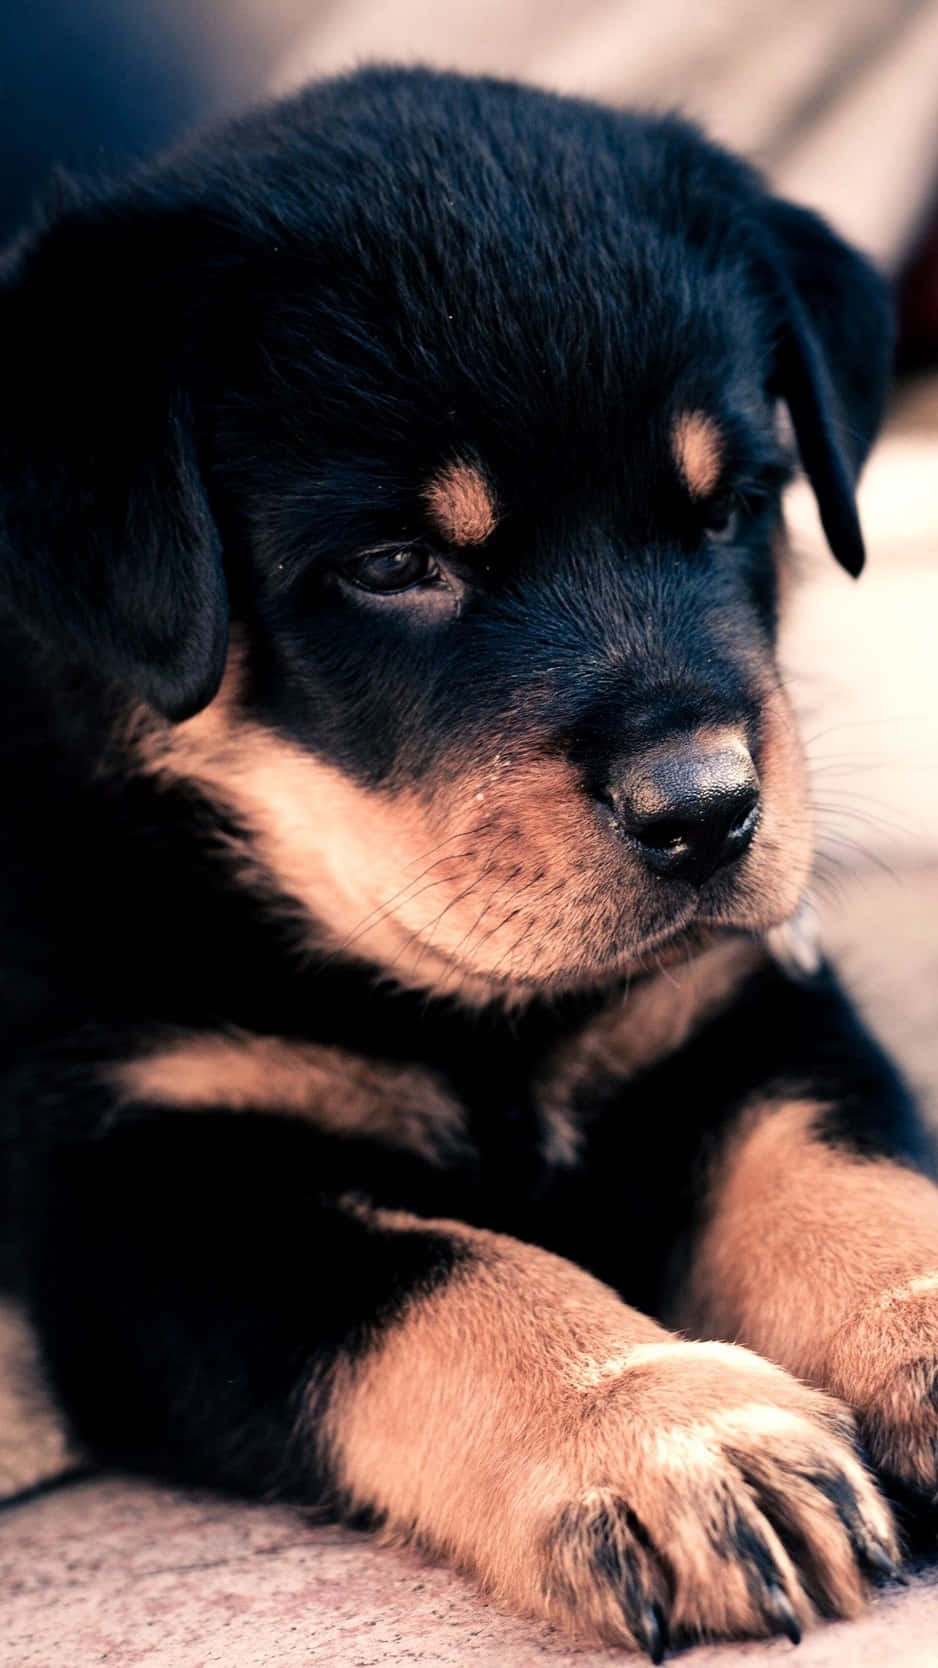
(604, 963)
(695, 920)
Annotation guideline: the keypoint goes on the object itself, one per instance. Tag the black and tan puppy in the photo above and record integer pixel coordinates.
(398, 790)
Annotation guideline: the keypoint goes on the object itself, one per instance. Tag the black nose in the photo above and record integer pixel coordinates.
(690, 806)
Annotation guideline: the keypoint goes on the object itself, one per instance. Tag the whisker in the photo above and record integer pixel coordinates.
(428, 931)
(872, 857)
(380, 912)
(861, 724)
(461, 947)
(843, 810)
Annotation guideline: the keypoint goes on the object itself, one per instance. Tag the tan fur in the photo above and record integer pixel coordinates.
(460, 502)
(34, 1447)
(440, 893)
(774, 874)
(500, 873)
(500, 1415)
(652, 1019)
(497, 874)
(338, 1091)
(698, 451)
(828, 1263)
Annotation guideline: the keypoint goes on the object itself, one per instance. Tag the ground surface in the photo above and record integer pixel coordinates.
(113, 1573)
(118, 1574)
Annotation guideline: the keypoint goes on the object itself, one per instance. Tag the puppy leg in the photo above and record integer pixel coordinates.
(825, 1259)
(212, 1309)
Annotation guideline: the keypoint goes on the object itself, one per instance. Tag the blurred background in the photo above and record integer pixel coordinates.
(837, 100)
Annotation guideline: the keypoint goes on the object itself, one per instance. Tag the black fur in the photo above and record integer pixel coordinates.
(222, 382)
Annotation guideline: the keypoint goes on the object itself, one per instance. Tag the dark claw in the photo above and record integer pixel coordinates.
(871, 1551)
(879, 1560)
(652, 1630)
(778, 1608)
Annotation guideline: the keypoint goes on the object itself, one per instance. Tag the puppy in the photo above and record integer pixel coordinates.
(399, 792)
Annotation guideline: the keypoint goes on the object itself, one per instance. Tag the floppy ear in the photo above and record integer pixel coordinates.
(107, 544)
(833, 361)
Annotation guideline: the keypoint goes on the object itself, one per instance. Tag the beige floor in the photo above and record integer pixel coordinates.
(115, 1573)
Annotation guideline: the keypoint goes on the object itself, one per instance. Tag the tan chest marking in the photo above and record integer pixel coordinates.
(339, 1092)
(651, 1021)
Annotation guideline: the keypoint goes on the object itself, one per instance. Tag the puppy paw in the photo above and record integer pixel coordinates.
(727, 1501)
(885, 1363)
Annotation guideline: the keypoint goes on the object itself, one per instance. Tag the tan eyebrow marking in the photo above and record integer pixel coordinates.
(698, 451)
(461, 502)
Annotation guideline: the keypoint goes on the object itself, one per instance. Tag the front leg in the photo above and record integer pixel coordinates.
(819, 1245)
(213, 1309)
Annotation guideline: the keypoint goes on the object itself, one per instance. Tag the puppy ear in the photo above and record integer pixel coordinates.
(108, 548)
(833, 361)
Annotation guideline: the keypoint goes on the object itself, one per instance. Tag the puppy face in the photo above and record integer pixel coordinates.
(480, 409)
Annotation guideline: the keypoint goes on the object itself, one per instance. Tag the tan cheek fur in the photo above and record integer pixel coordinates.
(461, 504)
(698, 452)
(773, 876)
(310, 831)
(504, 1416)
(502, 877)
(828, 1263)
(501, 874)
(336, 1091)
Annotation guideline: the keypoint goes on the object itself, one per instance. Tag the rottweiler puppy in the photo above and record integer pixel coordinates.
(408, 1108)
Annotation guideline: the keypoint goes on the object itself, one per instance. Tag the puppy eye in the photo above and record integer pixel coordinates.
(388, 571)
(721, 520)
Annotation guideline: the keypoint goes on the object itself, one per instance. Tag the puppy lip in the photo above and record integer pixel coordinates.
(612, 962)
(740, 915)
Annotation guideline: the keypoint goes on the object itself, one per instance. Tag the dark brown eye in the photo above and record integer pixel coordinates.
(387, 571)
(721, 520)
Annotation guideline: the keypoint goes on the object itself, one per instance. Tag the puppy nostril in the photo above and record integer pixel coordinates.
(690, 808)
(745, 822)
(663, 834)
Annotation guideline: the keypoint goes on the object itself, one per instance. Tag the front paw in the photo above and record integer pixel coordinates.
(719, 1498)
(885, 1363)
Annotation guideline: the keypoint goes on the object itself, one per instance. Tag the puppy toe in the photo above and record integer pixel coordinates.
(900, 1428)
(885, 1363)
(828, 1513)
(603, 1569)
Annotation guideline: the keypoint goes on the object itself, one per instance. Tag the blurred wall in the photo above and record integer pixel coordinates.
(96, 85)
(838, 99)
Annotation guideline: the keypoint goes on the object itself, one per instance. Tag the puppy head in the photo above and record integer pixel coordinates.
(463, 400)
